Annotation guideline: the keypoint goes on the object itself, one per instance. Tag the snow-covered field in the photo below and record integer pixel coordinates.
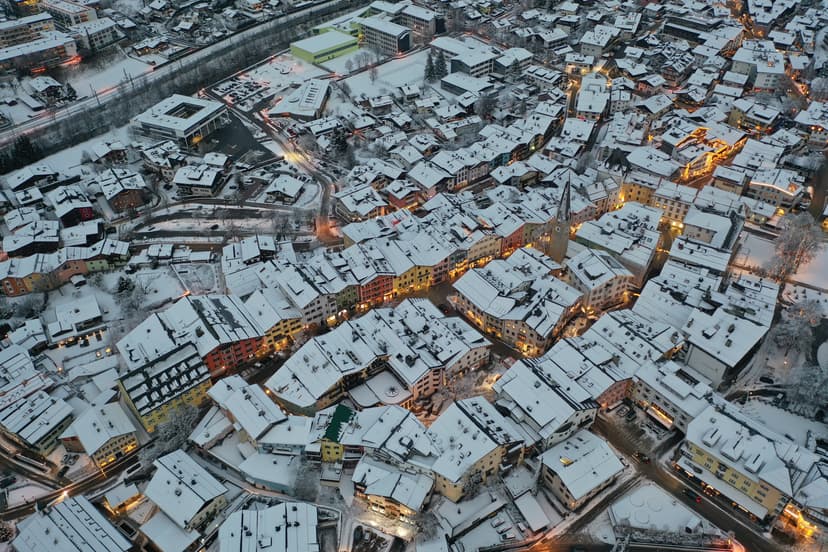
(199, 278)
(390, 76)
(27, 492)
(118, 69)
(784, 422)
(68, 160)
(339, 64)
(813, 273)
(244, 225)
(161, 285)
(753, 251)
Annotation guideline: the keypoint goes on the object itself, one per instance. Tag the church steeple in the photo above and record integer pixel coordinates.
(565, 206)
(559, 236)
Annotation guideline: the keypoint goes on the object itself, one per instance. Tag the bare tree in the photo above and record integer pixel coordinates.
(30, 306)
(131, 296)
(484, 106)
(170, 435)
(808, 388)
(427, 525)
(237, 197)
(799, 241)
(586, 161)
(306, 486)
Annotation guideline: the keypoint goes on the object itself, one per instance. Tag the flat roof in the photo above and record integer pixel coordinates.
(180, 113)
(324, 42)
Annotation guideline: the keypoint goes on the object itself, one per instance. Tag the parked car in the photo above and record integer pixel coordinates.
(766, 379)
(641, 457)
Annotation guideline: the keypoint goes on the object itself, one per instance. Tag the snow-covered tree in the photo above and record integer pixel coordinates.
(6, 309)
(30, 306)
(799, 241)
(306, 486)
(430, 73)
(427, 525)
(795, 328)
(440, 68)
(338, 141)
(819, 89)
(170, 435)
(484, 106)
(808, 388)
(131, 297)
(793, 334)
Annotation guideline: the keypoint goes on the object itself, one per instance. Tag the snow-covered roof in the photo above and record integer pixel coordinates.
(532, 512)
(750, 448)
(414, 338)
(683, 387)
(46, 41)
(206, 321)
(592, 269)
(253, 410)
(630, 233)
(520, 391)
(323, 41)
(100, 424)
(286, 527)
(116, 180)
(725, 337)
(377, 478)
(700, 255)
(307, 100)
(180, 113)
(166, 535)
(34, 417)
(461, 442)
(180, 487)
(583, 462)
(71, 524)
(520, 288)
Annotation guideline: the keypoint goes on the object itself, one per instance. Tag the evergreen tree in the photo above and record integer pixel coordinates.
(5, 163)
(430, 72)
(339, 142)
(25, 152)
(440, 66)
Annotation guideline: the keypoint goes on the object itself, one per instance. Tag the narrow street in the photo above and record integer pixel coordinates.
(295, 155)
(94, 480)
(747, 533)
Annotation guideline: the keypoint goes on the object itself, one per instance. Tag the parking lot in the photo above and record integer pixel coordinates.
(637, 427)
